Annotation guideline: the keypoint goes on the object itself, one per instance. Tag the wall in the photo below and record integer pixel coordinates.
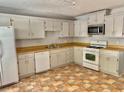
(111, 41)
(51, 37)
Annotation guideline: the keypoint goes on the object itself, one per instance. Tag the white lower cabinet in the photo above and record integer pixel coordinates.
(42, 62)
(78, 55)
(26, 64)
(61, 56)
(70, 55)
(54, 60)
(111, 62)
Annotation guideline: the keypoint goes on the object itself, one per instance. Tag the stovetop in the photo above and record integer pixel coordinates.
(96, 47)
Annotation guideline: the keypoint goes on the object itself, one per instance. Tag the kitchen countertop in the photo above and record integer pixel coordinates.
(64, 45)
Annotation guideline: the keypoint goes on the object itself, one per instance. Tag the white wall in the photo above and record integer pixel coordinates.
(51, 37)
(111, 41)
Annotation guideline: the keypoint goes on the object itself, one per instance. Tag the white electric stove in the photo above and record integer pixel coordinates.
(91, 54)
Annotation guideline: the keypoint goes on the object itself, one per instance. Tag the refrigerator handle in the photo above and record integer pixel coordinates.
(1, 50)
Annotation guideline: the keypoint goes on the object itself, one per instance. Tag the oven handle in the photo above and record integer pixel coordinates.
(91, 51)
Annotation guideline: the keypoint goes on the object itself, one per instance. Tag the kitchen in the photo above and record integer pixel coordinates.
(61, 50)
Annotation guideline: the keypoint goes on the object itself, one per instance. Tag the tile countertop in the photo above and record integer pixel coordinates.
(114, 48)
(64, 45)
(45, 47)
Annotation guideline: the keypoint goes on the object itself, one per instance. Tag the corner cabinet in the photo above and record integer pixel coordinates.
(37, 28)
(111, 62)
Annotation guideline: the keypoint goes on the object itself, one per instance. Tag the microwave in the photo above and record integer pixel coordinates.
(96, 29)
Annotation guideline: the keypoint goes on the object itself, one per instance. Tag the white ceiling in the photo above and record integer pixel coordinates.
(56, 7)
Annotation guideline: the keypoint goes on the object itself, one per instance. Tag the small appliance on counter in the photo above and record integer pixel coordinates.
(91, 54)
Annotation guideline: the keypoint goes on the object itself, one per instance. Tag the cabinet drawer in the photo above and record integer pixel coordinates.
(109, 52)
(21, 56)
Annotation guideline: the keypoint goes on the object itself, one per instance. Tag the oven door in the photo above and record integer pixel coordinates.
(91, 56)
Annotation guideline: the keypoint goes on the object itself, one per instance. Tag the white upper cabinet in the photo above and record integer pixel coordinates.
(21, 25)
(96, 18)
(77, 28)
(48, 25)
(119, 25)
(37, 27)
(5, 20)
(114, 26)
(101, 17)
(57, 26)
(81, 28)
(92, 19)
(71, 28)
(65, 29)
(109, 26)
(84, 28)
(53, 25)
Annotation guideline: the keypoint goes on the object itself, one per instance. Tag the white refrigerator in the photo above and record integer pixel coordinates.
(8, 59)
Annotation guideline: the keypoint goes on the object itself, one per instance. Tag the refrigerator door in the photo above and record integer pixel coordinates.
(9, 67)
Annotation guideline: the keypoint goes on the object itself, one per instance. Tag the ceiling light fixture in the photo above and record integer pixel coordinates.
(70, 2)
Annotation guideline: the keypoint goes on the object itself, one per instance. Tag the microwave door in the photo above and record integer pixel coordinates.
(93, 30)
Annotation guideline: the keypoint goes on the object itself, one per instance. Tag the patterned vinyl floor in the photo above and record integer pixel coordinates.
(69, 78)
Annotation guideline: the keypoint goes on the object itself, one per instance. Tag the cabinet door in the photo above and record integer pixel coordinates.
(57, 26)
(21, 25)
(109, 26)
(65, 29)
(37, 28)
(62, 58)
(92, 19)
(114, 66)
(78, 55)
(54, 61)
(77, 28)
(101, 17)
(30, 65)
(42, 61)
(22, 67)
(109, 64)
(70, 55)
(118, 25)
(4, 20)
(104, 60)
(49, 25)
(84, 28)
(71, 29)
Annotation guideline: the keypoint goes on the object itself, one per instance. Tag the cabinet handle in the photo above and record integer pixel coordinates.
(117, 60)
